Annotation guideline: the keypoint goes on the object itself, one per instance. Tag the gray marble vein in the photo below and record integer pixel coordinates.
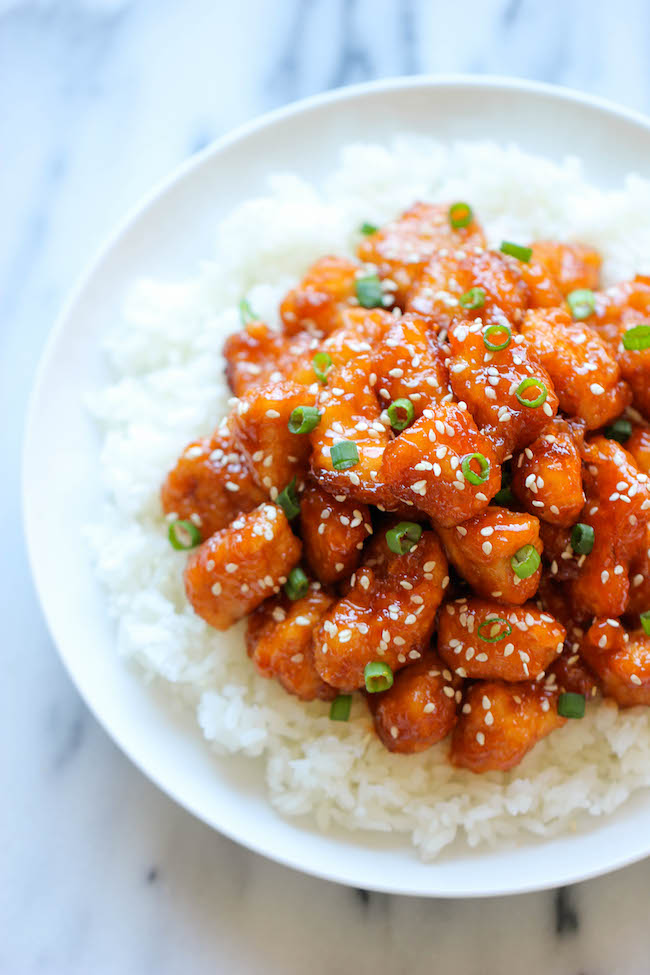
(100, 873)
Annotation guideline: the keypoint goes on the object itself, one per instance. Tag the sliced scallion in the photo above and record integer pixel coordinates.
(344, 454)
(368, 228)
(400, 413)
(183, 535)
(582, 303)
(582, 538)
(475, 477)
(369, 291)
(637, 339)
(522, 254)
(303, 419)
(526, 384)
(645, 622)
(570, 705)
(246, 313)
(340, 708)
(490, 334)
(296, 585)
(472, 299)
(288, 500)
(403, 537)
(525, 562)
(460, 215)
(321, 364)
(377, 676)
(499, 629)
(620, 430)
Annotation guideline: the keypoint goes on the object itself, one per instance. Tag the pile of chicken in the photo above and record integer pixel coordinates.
(526, 419)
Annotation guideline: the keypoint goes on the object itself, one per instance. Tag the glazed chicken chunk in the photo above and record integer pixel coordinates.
(482, 550)
(237, 568)
(279, 640)
(499, 723)
(388, 615)
(480, 639)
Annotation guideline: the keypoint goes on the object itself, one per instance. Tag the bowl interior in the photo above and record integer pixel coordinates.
(167, 236)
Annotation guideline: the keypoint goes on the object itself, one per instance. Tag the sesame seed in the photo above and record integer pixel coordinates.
(480, 737)
(635, 679)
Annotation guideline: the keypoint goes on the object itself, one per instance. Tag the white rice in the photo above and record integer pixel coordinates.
(168, 389)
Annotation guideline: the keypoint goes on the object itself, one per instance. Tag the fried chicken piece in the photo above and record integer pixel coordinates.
(481, 639)
(500, 723)
(237, 568)
(279, 640)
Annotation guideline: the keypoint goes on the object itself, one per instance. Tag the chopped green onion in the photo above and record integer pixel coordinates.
(344, 454)
(525, 562)
(183, 535)
(496, 633)
(403, 537)
(470, 474)
(497, 330)
(474, 298)
(296, 585)
(526, 384)
(620, 430)
(637, 339)
(505, 496)
(400, 413)
(582, 303)
(460, 215)
(321, 364)
(378, 676)
(288, 500)
(303, 419)
(522, 254)
(340, 708)
(369, 291)
(570, 705)
(246, 313)
(645, 622)
(368, 228)
(582, 538)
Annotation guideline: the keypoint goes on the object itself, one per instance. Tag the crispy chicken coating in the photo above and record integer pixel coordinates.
(450, 275)
(586, 377)
(237, 568)
(410, 364)
(638, 445)
(424, 465)
(388, 615)
(617, 507)
(351, 412)
(481, 550)
(401, 249)
(279, 640)
(498, 386)
(419, 710)
(572, 266)
(260, 426)
(621, 659)
(317, 302)
(257, 355)
(480, 639)
(211, 484)
(547, 475)
(333, 531)
(500, 723)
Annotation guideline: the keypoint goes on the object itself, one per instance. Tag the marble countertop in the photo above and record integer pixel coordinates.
(100, 872)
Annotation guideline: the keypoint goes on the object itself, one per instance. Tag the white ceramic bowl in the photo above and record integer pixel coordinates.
(167, 235)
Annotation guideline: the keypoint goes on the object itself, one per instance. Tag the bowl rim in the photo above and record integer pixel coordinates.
(105, 249)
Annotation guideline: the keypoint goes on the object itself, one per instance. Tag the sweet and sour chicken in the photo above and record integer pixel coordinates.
(431, 493)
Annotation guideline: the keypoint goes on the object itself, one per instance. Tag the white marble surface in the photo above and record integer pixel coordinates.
(100, 873)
